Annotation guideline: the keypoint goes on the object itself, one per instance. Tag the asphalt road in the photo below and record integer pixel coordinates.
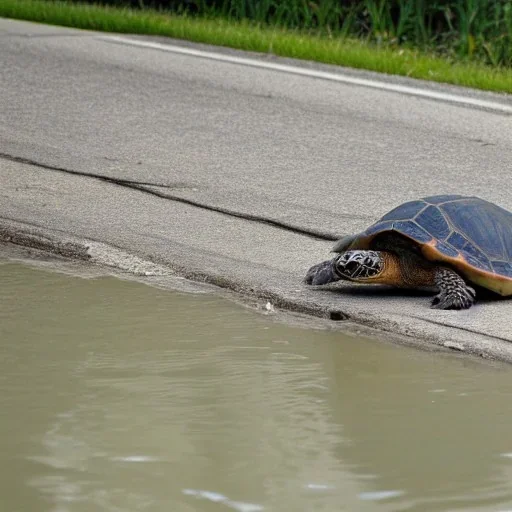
(238, 169)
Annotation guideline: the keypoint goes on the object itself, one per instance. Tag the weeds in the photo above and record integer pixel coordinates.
(389, 50)
(472, 29)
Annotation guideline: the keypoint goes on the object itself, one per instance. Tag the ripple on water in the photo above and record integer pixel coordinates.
(136, 458)
(220, 498)
(380, 495)
(319, 487)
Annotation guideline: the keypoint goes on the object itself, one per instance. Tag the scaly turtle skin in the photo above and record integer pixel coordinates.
(439, 241)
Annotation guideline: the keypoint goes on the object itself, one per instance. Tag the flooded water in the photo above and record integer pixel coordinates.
(116, 396)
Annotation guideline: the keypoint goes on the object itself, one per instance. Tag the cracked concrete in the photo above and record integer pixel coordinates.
(235, 176)
(156, 190)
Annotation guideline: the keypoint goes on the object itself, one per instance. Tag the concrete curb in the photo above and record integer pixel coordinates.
(389, 330)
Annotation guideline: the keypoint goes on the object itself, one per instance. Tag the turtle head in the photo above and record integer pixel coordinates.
(368, 267)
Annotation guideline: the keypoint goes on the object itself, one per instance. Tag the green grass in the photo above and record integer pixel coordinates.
(254, 37)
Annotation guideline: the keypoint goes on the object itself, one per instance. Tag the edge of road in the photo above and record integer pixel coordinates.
(247, 36)
(498, 103)
(60, 244)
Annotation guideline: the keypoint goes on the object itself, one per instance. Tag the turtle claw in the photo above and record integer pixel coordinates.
(454, 293)
(463, 298)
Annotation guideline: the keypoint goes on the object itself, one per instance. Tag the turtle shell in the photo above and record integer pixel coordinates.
(469, 234)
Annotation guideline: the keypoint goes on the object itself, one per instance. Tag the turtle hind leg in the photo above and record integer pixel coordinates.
(454, 293)
(321, 273)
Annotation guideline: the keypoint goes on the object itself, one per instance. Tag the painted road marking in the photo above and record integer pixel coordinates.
(501, 108)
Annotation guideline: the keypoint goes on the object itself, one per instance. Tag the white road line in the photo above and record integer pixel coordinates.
(501, 108)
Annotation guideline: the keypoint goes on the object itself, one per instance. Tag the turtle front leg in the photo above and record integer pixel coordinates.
(454, 293)
(321, 273)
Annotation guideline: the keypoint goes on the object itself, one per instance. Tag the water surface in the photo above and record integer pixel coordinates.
(116, 396)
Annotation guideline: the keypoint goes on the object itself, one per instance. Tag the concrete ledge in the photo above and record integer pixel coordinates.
(389, 329)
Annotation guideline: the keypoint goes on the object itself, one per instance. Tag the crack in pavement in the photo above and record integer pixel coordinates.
(142, 186)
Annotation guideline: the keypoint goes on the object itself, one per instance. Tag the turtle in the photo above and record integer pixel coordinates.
(446, 242)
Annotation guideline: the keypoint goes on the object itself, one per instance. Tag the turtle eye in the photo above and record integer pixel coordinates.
(352, 265)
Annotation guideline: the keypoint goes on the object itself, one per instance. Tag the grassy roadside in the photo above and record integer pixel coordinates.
(246, 36)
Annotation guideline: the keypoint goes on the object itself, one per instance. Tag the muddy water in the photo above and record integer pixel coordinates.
(116, 396)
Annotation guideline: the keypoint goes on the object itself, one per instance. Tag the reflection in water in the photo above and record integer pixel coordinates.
(219, 498)
(120, 397)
